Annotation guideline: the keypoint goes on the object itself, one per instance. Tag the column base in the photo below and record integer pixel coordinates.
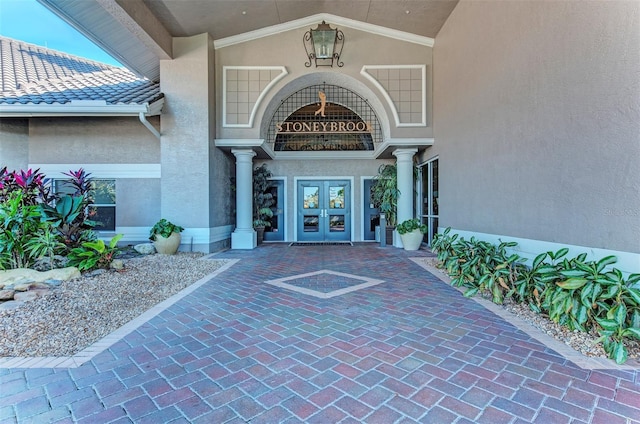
(244, 239)
(397, 240)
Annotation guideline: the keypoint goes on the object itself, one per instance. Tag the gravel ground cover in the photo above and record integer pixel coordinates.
(82, 311)
(585, 343)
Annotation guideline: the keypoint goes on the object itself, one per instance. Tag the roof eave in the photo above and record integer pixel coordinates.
(76, 109)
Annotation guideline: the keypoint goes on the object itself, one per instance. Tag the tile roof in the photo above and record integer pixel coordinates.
(34, 75)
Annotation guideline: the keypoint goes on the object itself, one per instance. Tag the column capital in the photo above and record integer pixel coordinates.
(244, 153)
(405, 153)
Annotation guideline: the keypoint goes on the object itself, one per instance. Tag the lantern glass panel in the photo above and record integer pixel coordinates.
(323, 42)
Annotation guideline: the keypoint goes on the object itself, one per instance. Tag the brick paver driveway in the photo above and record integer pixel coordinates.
(406, 349)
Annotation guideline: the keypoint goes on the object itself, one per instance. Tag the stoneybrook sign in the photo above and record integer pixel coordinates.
(337, 128)
(322, 127)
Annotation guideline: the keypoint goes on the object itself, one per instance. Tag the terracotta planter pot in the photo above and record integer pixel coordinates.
(167, 245)
(412, 240)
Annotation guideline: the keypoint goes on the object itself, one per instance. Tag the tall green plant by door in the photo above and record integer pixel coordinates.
(262, 198)
(385, 193)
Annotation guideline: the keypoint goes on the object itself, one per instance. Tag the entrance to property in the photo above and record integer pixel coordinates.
(324, 210)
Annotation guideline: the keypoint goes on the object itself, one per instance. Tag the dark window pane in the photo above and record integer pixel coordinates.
(311, 224)
(434, 188)
(63, 188)
(336, 223)
(105, 217)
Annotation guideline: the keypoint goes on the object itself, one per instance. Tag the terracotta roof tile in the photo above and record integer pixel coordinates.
(31, 74)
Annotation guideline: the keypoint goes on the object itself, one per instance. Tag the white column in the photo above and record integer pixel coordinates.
(244, 236)
(404, 165)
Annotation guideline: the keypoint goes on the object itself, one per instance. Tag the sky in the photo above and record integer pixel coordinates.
(29, 21)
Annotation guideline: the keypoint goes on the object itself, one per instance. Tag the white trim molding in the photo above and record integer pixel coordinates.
(81, 108)
(423, 97)
(316, 19)
(190, 236)
(263, 93)
(101, 170)
(628, 262)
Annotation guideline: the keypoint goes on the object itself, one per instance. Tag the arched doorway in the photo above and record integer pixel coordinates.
(315, 127)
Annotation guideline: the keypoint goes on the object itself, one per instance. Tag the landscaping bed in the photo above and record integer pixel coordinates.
(80, 312)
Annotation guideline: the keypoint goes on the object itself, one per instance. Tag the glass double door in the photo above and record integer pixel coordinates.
(324, 210)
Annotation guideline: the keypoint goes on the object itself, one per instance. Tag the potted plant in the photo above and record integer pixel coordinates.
(411, 232)
(166, 237)
(262, 200)
(384, 196)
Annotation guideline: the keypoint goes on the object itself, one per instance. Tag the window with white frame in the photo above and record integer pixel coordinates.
(104, 201)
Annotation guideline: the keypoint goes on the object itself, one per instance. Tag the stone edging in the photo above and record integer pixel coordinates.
(107, 341)
(570, 354)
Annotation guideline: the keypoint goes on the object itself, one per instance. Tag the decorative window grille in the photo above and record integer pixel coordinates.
(342, 106)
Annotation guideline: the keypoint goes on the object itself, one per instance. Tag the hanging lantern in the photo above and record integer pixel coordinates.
(323, 45)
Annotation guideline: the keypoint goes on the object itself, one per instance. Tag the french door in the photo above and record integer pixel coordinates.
(324, 210)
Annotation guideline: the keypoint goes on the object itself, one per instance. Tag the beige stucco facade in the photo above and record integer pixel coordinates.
(537, 122)
(531, 108)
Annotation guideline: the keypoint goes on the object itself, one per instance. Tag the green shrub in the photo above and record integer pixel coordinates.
(576, 293)
(45, 243)
(94, 254)
(19, 225)
(35, 222)
(411, 225)
(164, 228)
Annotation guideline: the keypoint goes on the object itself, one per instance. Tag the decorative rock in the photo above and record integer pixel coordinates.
(16, 275)
(95, 272)
(145, 248)
(25, 296)
(117, 264)
(6, 294)
(23, 281)
(53, 283)
(22, 287)
(44, 264)
(11, 304)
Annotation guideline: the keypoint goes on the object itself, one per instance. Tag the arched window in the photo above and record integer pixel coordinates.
(324, 117)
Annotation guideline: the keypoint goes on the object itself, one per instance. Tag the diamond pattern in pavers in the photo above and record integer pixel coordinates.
(325, 283)
(411, 349)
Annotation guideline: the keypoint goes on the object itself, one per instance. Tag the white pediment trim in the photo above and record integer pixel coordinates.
(333, 20)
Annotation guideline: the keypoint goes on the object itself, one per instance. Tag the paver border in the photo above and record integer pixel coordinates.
(115, 336)
(570, 354)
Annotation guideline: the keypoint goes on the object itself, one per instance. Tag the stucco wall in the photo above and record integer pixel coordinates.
(360, 48)
(537, 121)
(14, 143)
(112, 141)
(195, 175)
(137, 202)
(92, 140)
